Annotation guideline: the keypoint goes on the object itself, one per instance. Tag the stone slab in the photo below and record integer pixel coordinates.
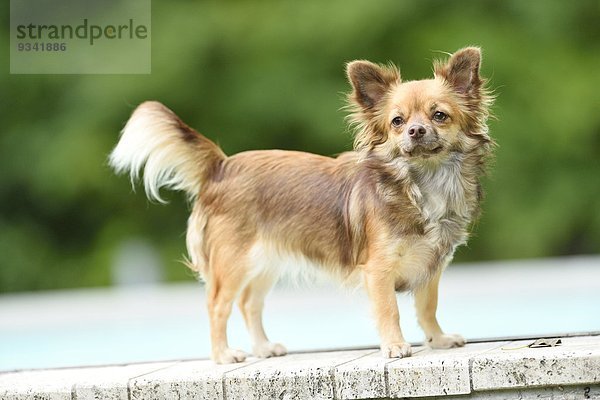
(295, 376)
(490, 371)
(435, 372)
(541, 393)
(575, 362)
(189, 380)
(108, 383)
(30, 385)
(365, 377)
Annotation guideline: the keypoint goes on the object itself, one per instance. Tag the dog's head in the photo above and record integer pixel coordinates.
(418, 120)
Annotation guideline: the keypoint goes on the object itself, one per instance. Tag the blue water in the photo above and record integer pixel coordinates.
(108, 326)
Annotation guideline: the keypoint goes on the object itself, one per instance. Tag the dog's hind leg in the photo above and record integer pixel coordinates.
(228, 275)
(251, 303)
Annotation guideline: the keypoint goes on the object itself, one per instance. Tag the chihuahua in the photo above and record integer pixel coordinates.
(388, 215)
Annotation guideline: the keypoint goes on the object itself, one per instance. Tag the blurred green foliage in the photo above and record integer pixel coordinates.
(254, 75)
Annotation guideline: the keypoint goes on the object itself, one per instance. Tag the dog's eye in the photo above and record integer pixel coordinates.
(439, 116)
(397, 121)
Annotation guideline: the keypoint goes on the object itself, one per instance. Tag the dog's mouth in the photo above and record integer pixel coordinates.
(424, 150)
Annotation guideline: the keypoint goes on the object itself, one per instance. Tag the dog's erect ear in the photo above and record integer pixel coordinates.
(370, 82)
(461, 71)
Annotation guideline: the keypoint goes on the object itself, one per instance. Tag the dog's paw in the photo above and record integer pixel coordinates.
(396, 350)
(446, 341)
(229, 356)
(268, 349)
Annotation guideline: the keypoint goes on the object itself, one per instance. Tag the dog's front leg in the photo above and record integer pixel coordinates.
(381, 290)
(426, 300)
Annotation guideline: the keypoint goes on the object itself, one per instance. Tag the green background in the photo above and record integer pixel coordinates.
(254, 75)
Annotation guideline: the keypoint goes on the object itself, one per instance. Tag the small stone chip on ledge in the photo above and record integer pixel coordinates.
(510, 369)
(546, 343)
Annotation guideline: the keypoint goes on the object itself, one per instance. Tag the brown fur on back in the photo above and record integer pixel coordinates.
(304, 203)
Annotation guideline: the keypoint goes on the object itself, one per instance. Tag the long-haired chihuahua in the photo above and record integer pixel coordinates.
(388, 215)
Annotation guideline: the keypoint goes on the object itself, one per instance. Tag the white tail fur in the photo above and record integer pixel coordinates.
(171, 153)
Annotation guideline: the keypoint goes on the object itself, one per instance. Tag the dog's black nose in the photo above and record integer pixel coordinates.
(416, 131)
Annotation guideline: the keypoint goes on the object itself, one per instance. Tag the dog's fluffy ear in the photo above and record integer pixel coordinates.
(370, 82)
(461, 71)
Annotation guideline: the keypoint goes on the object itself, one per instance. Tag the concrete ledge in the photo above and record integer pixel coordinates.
(487, 370)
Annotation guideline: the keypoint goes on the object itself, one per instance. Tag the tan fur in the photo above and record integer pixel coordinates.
(389, 214)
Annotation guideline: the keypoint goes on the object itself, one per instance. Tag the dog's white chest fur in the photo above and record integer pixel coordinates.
(445, 198)
(434, 203)
(441, 192)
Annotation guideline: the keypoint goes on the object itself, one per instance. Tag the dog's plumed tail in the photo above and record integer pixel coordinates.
(172, 154)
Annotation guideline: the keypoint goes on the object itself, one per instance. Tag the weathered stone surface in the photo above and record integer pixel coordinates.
(364, 378)
(541, 393)
(434, 372)
(30, 385)
(577, 361)
(490, 371)
(108, 383)
(189, 380)
(296, 376)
